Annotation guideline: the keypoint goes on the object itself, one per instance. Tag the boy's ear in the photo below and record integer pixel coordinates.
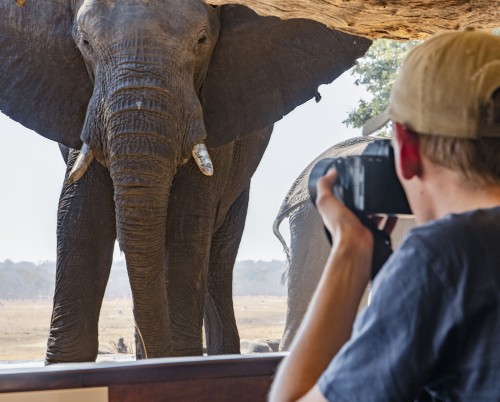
(409, 157)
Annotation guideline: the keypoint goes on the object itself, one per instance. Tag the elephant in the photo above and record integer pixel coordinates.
(139, 93)
(309, 247)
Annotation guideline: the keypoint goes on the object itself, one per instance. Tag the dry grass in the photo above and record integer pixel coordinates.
(260, 317)
(24, 325)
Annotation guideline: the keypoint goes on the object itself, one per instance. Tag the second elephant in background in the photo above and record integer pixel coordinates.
(309, 247)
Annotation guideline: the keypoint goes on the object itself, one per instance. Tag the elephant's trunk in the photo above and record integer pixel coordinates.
(141, 203)
(143, 154)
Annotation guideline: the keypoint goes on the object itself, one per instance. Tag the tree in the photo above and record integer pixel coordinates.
(376, 71)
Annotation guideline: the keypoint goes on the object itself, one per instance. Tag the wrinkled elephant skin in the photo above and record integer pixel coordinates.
(139, 83)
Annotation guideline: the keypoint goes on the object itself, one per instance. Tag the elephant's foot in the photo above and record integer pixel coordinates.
(70, 350)
(73, 336)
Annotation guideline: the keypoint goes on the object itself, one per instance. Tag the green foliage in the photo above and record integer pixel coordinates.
(376, 71)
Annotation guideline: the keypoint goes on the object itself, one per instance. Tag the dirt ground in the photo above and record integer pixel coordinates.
(24, 325)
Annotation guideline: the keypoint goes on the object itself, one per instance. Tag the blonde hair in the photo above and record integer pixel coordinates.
(476, 160)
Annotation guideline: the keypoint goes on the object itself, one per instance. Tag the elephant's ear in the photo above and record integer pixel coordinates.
(264, 67)
(44, 84)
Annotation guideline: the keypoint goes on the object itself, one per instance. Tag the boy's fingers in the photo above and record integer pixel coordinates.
(329, 207)
(329, 179)
(385, 223)
(325, 183)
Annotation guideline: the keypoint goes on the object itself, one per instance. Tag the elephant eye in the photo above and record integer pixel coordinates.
(202, 38)
(86, 45)
(83, 38)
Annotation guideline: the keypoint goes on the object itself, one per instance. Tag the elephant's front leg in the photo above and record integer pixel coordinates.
(85, 239)
(190, 223)
(220, 322)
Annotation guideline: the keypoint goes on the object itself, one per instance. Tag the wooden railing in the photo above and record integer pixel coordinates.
(221, 378)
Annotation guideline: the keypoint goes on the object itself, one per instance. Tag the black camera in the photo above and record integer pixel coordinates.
(366, 183)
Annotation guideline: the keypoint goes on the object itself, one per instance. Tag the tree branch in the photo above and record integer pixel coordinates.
(392, 19)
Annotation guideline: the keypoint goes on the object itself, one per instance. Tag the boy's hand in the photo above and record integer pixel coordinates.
(337, 218)
(362, 234)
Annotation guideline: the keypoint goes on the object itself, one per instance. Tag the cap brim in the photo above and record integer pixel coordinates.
(375, 123)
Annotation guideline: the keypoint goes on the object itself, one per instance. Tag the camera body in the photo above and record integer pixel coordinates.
(366, 183)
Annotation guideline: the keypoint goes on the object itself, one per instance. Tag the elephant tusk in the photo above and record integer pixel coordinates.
(202, 158)
(82, 163)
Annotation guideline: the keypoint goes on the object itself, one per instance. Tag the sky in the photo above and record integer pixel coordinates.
(32, 172)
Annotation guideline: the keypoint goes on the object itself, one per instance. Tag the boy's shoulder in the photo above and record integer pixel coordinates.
(454, 226)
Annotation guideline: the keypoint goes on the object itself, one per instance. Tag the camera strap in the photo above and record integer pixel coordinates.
(382, 246)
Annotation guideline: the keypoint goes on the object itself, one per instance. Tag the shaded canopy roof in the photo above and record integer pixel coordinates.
(392, 19)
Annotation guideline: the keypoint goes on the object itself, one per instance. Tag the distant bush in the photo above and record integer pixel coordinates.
(252, 278)
(26, 280)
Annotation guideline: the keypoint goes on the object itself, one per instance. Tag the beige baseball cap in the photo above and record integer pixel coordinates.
(445, 87)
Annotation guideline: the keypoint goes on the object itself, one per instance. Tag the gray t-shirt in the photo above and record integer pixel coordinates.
(432, 330)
